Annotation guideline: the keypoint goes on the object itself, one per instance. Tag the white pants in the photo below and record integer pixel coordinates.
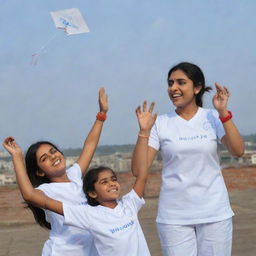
(209, 239)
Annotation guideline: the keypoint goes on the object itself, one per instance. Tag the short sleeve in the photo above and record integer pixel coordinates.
(76, 216)
(46, 188)
(74, 173)
(154, 141)
(133, 200)
(220, 132)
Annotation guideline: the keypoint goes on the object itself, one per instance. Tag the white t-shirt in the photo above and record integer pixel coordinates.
(64, 239)
(193, 190)
(116, 231)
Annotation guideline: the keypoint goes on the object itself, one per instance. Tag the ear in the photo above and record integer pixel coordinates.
(92, 194)
(197, 89)
(40, 173)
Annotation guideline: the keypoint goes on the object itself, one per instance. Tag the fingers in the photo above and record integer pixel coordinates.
(151, 107)
(101, 91)
(138, 110)
(154, 117)
(8, 140)
(226, 90)
(144, 106)
(222, 90)
(103, 100)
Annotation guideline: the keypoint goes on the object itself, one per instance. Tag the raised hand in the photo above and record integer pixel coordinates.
(220, 99)
(103, 100)
(145, 117)
(11, 146)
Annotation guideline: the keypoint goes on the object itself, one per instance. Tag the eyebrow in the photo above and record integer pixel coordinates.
(178, 79)
(103, 179)
(45, 154)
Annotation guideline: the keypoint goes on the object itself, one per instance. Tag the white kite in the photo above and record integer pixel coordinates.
(70, 20)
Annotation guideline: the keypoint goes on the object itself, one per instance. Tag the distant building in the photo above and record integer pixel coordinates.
(7, 179)
(248, 158)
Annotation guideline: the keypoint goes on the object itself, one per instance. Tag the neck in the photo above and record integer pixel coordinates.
(109, 204)
(188, 111)
(63, 178)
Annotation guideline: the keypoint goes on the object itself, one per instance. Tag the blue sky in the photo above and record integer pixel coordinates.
(131, 46)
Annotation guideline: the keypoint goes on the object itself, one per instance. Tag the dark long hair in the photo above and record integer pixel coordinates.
(195, 74)
(32, 169)
(90, 179)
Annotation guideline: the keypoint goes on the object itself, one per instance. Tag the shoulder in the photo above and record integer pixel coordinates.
(46, 187)
(166, 116)
(74, 167)
(74, 172)
(209, 111)
(208, 114)
(165, 119)
(132, 196)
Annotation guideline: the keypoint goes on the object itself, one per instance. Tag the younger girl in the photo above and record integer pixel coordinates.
(113, 223)
(46, 170)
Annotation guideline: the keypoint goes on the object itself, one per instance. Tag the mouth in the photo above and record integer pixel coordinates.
(56, 162)
(176, 95)
(113, 190)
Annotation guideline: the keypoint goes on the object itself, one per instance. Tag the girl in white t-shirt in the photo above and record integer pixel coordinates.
(112, 222)
(46, 170)
(194, 213)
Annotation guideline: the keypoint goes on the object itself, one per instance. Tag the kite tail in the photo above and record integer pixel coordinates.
(35, 56)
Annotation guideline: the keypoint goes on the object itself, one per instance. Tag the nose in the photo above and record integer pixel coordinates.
(173, 87)
(111, 183)
(52, 156)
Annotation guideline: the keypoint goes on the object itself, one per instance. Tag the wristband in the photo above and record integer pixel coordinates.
(101, 116)
(226, 118)
(143, 136)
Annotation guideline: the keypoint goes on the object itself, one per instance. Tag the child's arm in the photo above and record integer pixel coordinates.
(29, 194)
(146, 121)
(93, 137)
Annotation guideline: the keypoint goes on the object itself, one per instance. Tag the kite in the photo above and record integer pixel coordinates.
(70, 20)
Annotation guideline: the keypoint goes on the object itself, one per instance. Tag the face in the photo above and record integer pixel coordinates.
(181, 89)
(50, 161)
(107, 188)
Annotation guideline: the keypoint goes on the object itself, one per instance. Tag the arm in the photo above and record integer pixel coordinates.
(146, 121)
(93, 137)
(232, 139)
(29, 194)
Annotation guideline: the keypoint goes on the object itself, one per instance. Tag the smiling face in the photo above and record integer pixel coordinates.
(181, 89)
(51, 162)
(106, 188)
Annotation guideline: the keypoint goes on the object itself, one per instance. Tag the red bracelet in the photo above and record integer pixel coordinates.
(226, 118)
(101, 116)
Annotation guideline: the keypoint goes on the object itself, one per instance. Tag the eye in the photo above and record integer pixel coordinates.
(170, 83)
(114, 179)
(43, 159)
(181, 82)
(53, 150)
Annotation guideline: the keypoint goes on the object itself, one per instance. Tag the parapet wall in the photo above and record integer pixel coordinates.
(12, 210)
(235, 179)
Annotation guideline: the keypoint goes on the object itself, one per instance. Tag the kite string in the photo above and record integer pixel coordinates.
(35, 56)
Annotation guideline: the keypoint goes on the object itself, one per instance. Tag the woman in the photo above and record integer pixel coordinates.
(194, 214)
(46, 171)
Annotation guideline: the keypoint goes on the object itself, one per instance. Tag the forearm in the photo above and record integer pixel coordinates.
(140, 157)
(141, 171)
(232, 139)
(23, 181)
(30, 194)
(90, 145)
